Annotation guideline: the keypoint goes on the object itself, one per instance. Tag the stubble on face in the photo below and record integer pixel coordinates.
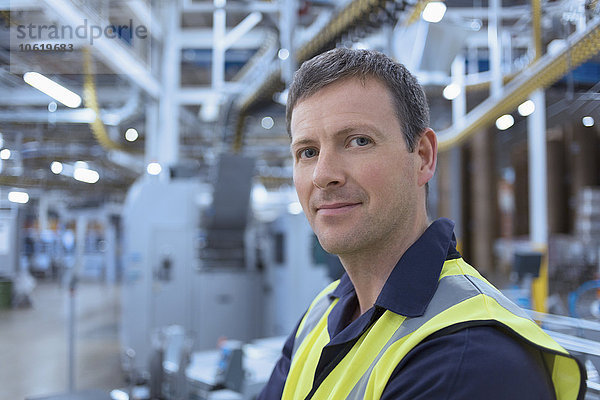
(381, 177)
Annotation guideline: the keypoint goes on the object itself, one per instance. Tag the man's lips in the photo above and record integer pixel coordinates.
(336, 208)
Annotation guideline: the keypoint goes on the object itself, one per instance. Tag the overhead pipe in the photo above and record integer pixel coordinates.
(580, 47)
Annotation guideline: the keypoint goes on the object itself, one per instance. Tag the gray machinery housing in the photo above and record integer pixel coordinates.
(184, 261)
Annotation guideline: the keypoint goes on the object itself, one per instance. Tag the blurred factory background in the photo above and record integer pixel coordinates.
(151, 242)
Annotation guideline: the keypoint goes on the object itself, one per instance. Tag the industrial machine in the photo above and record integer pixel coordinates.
(184, 261)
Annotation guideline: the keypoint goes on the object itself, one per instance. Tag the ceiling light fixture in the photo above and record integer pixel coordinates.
(86, 175)
(267, 122)
(434, 11)
(154, 168)
(5, 154)
(451, 91)
(56, 167)
(131, 135)
(52, 89)
(283, 54)
(587, 121)
(505, 122)
(18, 197)
(526, 108)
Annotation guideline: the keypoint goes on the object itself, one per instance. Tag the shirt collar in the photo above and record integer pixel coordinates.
(414, 279)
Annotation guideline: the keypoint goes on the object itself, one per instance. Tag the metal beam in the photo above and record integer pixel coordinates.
(27, 96)
(202, 38)
(78, 116)
(111, 52)
(143, 13)
(208, 7)
(196, 96)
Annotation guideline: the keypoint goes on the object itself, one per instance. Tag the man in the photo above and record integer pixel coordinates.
(409, 319)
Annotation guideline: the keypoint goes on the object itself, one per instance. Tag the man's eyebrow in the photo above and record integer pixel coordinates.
(301, 142)
(355, 128)
(342, 132)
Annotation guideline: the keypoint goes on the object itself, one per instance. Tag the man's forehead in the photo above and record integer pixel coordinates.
(351, 81)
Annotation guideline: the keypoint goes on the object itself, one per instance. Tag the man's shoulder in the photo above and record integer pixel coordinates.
(470, 362)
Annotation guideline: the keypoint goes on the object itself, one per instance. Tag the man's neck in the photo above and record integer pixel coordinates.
(369, 270)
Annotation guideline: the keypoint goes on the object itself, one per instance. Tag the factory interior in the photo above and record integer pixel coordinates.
(152, 244)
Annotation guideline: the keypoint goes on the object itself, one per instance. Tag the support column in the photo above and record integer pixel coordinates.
(518, 160)
(287, 25)
(43, 212)
(80, 236)
(110, 254)
(538, 194)
(557, 188)
(444, 186)
(484, 201)
(495, 48)
(459, 110)
(171, 77)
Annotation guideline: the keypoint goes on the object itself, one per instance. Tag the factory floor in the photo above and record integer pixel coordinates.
(34, 342)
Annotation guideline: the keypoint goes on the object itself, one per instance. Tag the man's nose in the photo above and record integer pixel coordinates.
(329, 170)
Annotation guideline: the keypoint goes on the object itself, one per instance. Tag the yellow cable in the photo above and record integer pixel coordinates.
(91, 101)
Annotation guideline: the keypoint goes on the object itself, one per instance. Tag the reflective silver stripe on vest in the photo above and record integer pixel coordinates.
(312, 319)
(451, 291)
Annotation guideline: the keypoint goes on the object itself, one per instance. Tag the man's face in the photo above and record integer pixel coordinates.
(355, 178)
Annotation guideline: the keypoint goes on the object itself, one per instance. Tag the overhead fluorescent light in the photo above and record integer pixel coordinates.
(505, 122)
(526, 108)
(86, 175)
(18, 197)
(52, 89)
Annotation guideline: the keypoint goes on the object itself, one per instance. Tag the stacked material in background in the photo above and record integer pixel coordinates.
(587, 220)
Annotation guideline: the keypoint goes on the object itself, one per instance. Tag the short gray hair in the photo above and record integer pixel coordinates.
(335, 65)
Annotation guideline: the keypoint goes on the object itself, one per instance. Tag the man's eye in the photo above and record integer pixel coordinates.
(308, 153)
(360, 141)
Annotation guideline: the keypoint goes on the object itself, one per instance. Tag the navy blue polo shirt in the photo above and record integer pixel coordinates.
(472, 363)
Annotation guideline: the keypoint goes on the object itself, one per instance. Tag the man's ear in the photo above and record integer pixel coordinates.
(427, 151)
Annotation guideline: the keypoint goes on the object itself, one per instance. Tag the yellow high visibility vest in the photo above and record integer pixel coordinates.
(462, 296)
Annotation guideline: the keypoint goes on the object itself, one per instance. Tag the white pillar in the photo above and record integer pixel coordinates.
(171, 77)
(494, 47)
(80, 236)
(218, 53)
(287, 24)
(43, 212)
(459, 109)
(538, 200)
(110, 252)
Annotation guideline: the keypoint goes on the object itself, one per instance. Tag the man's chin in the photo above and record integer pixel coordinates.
(335, 245)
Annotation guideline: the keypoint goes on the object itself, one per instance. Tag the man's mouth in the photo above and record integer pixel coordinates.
(336, 208)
